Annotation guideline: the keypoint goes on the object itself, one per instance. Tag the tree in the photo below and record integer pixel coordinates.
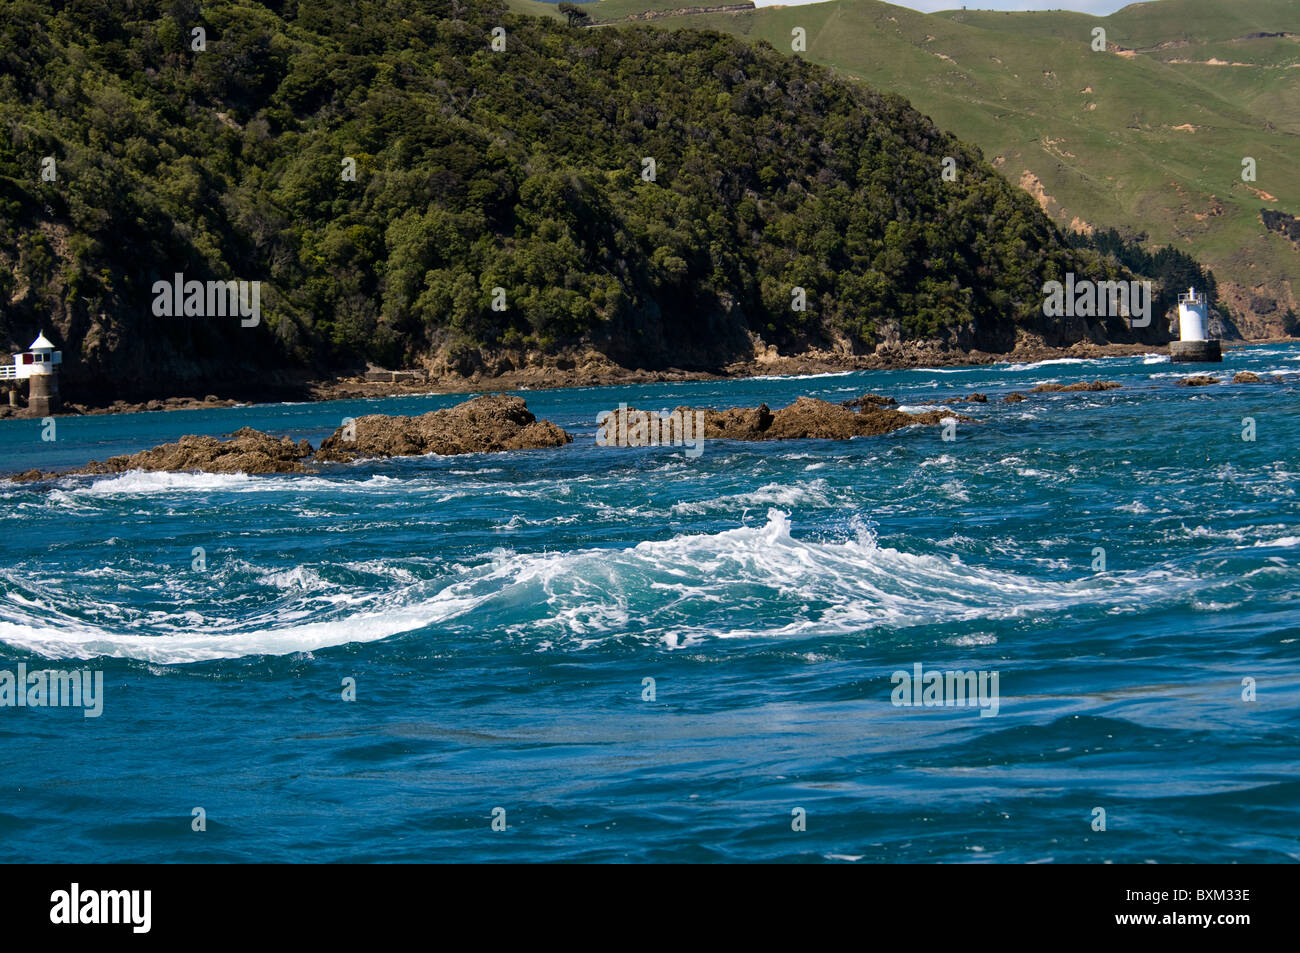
(772, 175)
(575, 13)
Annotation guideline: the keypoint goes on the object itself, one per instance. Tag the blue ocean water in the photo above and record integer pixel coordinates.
(501, 614)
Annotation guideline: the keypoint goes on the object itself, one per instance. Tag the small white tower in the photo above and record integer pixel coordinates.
(1193, 331)
(39, 358)
(37, 366)
(1191, 316)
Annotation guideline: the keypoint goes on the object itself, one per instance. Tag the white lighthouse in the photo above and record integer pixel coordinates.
(1193, 342)
(37, 366)
(1191, 316)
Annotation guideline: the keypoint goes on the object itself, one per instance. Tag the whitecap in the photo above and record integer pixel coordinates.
(671, 593)
(1049, 363)
(1288, 542)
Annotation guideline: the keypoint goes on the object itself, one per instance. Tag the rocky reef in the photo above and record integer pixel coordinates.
(1081, 386)
(487, 424)
(247, 451)
(806, 419)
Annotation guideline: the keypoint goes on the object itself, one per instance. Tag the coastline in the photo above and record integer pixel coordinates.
(599, 567)
(594, 370)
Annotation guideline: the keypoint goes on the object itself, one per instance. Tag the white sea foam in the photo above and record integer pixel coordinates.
(955, 541)
(1289, 542)
(955, 490)
(518, 522)
(147, 483)
(1169, 375)
(814, 493)
(673, 593)
(1049, 363)
(136, 482)
(300, 577)
(801, 377)
(943, 460)
(1205, 532)
(978, 638)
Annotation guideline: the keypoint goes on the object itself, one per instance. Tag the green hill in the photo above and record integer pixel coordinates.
(1147, 137)
(501, 201)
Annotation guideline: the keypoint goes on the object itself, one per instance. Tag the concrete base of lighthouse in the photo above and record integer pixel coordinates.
(1201, 352)
(43, 395)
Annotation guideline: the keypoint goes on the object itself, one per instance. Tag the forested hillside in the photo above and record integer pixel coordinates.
(1148, 136)
(522, 170)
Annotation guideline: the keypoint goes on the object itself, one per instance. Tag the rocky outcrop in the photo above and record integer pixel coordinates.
(1086, 386)
(740, 423)
(1198, 380)
(1246, 377)
(248, 451)
(482, 425)
(486, 424)
(1014, 397)
(869, 400)
(171, 403)
(69, 409)
(806, 419)
(809, 418)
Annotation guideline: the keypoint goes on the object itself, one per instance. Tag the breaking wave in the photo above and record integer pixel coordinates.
(672, 593)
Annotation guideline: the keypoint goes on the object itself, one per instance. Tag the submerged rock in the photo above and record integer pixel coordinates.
(1088, 386)
(487, 424)
(1198, 380)
(975, 398)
